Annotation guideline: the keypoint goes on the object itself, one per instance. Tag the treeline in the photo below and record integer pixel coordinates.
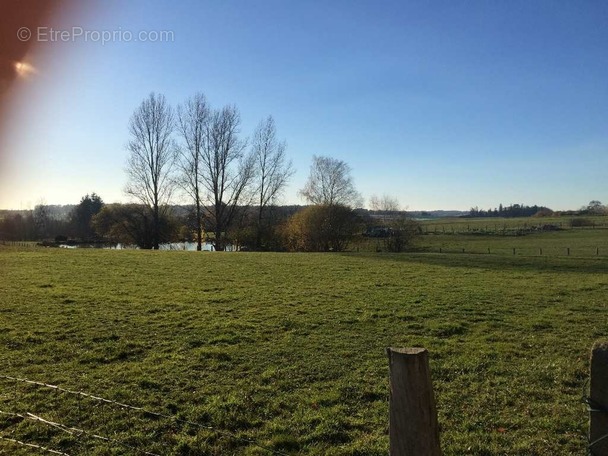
(133, 224)
(514, 210)
(46, 222)
(320, 227)
(594, 207)
(232, 182)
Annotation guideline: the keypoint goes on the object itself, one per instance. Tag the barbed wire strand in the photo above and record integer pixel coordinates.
(32, 445)
(73, 430)
(147, 412)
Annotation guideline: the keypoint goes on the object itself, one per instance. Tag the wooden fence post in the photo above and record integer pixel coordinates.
(598, 400)
(413, 428)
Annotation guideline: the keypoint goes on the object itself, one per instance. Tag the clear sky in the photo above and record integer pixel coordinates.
(441, 104)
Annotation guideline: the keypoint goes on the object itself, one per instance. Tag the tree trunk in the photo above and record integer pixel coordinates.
(199, 227)
(258, 239)
(156, 239)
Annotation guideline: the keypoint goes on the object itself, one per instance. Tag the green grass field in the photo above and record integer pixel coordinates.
(477, 235)
(582, 243)
(499, 224)
(288, 350)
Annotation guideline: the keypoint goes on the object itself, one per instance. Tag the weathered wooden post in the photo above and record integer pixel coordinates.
(598, 400)
(413, 427)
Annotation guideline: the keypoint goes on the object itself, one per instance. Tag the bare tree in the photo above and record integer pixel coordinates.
(399, 230)
(193, 125)
(226, 172)
(330, 184)
(151, 159)
(272, 169)
(385, 203)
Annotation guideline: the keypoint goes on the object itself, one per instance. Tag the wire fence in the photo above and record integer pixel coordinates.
(581, 252)
(71, 422)
(510, 228)
(18, 243)
(48, 434)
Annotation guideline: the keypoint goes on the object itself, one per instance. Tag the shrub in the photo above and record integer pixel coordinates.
(544, 212)
(402, 234)
(580, 221)
(321, 229)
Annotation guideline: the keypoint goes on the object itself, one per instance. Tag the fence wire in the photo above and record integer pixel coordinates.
(75, 431)
(144, 412)
(32, 445)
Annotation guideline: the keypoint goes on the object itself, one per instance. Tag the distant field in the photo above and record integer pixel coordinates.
(575, 242)
(454, 235)
(287, 350)
(498, 224)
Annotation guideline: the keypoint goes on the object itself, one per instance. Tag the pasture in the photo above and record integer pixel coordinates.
(277, 352)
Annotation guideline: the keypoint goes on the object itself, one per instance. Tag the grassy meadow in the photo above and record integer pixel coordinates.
(286, 352)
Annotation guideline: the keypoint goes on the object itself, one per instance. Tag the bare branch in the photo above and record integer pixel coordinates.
(272, 169)
(152, 156)
(193, 126)
(225, 172)
(330, 184)
(385, 203)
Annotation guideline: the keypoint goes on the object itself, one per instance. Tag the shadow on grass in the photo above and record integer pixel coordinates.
(497, 262)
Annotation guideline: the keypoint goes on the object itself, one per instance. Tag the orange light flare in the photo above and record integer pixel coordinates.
(24, 69)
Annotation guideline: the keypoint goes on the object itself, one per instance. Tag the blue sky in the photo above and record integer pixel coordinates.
(443, 105)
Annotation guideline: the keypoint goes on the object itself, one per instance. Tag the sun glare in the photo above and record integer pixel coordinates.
(24, 69)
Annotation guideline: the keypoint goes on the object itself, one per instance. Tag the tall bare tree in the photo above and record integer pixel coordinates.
(226, 171)
(272, 169)
(151, 159)
(330, 184)
(193, 118)
(384, 203)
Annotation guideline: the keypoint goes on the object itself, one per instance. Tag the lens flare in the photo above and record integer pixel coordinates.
(24, 69)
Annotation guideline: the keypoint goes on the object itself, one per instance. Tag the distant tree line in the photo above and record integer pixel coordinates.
(46, 222)
(312, 228)
(514, 210)
(233, 184)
